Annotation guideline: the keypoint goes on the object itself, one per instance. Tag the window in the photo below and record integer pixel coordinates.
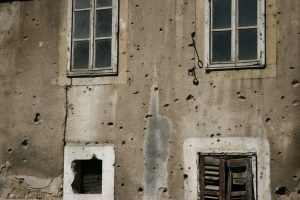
(236, 32)
(225, 176)
(94, 37)
(87, 176)
(88, 172)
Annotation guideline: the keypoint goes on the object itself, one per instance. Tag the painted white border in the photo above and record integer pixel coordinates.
(193, 146)
(261, 43)
(83, 152)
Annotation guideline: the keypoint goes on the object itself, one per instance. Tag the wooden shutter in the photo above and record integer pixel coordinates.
(212, 178)
(239, 179)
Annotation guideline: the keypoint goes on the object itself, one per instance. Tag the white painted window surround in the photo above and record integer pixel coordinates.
(233, 145)
(235, 63)
(87, 152)
(92, 38)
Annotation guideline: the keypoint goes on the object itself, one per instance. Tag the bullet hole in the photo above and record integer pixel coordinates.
(122, 185)
(242, 97)
(279, 153)
(268, 119)
(185, 176)
(110, 123)
(165, 190)
(25, 38)
(24, 142)
(175, 100)
(147, 116)
(37, 117)
(33, 19)
(212, 135)
(9, 150)
(218, 140)
(156, 88)
(218, 134)
(136, 92)
(170, 20)
(121, 127)
(167, 105)
(140, 189)
(24, 160)
(160, 29)
(123, 142)
(295, 103)
(282, 97)
(146, 75)
(131, 139)
(295, 83)
(137, 5)
(189, 97)
(282, 190)
(145, 128)
(196, 107)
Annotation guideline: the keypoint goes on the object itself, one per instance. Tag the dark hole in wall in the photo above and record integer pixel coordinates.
(87, 176)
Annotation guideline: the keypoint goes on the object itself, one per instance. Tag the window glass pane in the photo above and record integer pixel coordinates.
(103, 53)
(221, 46)
(82, 24)
(247, 12)
(104, 3)
(247, 44)
(81, 4)
(221, 13)
(104, 22)
(81, 55)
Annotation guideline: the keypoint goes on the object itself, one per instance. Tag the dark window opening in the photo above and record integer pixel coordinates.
(87, 176)
(226, 177)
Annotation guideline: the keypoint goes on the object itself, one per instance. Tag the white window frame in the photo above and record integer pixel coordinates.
(233, 64)
(92, 71)
(230, 145)
(105, 153)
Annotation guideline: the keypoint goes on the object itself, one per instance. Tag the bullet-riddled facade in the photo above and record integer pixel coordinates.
(153, 120)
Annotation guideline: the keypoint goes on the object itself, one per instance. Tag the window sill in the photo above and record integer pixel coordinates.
(84, 74)
(224, 67)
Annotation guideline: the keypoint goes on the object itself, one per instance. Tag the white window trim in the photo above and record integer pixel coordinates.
(86, 152)
(236, 145)
(113, 70)
(259, 63)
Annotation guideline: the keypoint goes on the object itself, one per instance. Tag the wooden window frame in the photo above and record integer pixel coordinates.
(92, 71)
(234, 63)
(230, 160)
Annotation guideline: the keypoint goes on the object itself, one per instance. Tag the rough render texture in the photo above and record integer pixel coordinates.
(148, 117)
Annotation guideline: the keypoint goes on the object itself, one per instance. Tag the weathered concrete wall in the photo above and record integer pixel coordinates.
(148, 117)
(32, 104)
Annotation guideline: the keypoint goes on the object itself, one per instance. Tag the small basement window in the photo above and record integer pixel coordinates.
(227, 176)
(87, 176)
(88, 172)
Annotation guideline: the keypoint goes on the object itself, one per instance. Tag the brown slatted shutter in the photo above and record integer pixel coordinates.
(240, 179)
(212, 178)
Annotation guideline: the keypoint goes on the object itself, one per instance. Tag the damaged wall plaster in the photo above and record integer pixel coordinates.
(150, 108)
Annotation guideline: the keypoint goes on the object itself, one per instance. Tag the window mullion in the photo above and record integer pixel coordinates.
(234, 40)
(92, 25)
